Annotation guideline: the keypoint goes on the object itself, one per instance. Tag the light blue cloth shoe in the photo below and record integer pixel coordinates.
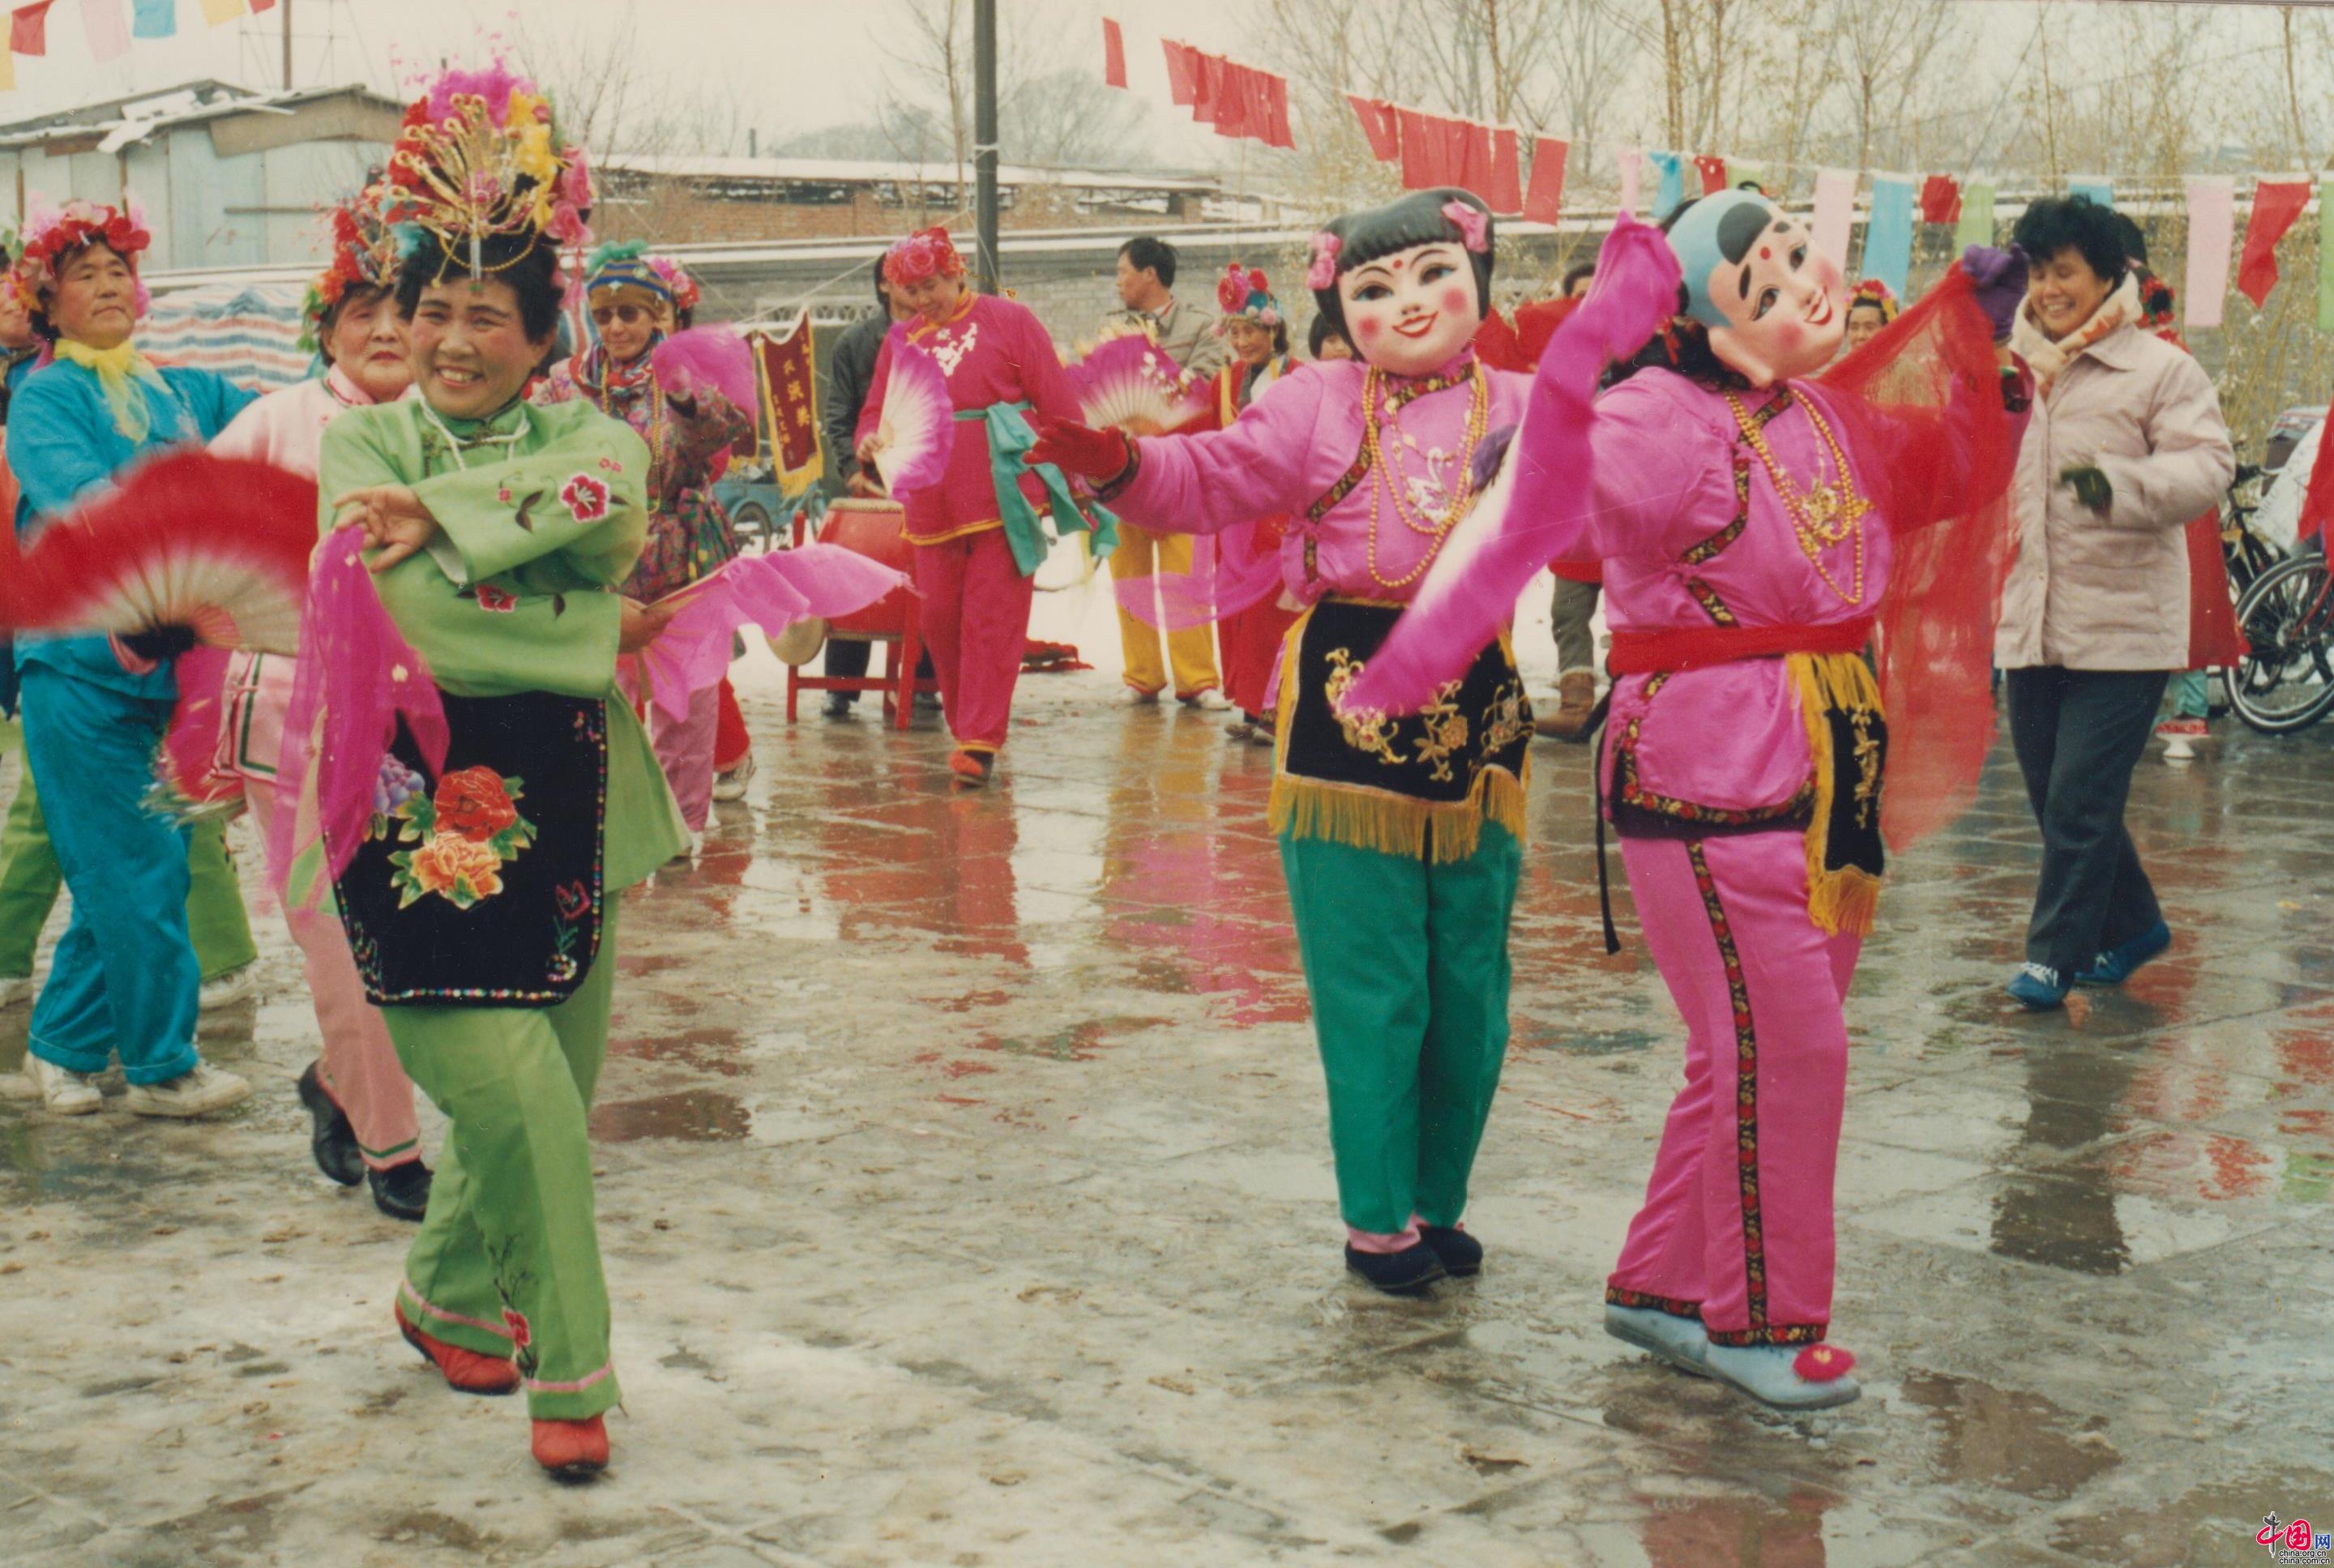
(2115, 965)
(1679, 1342)
(1769, 1375)
(2039, 986)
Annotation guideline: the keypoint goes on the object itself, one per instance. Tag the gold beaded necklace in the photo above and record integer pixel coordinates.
(1827, 514)
(1388, 477)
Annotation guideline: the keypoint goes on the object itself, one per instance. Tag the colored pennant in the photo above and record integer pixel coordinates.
(1941, 199)
(1669, 191)
(2092, 188)
(107, 27)
(2276, 204)
(1544, 202)
(219, 12)
(1114, 54)
(154, 18)
(1506, 192)
(1379, 126)
(1276, 131)
(1713, 169)
(2212, 231)
(1633, 165)
(1422, 149)
(1889, 235)
(1180, 84)
(2326, 255)
(28, 29)
(1833, 218)
(1975, 226)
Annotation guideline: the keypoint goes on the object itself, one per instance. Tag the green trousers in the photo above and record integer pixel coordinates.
(1407, 964)
(30, 877)
(508, 1257)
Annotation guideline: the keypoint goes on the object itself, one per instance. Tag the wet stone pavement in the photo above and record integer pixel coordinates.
(965, 1190)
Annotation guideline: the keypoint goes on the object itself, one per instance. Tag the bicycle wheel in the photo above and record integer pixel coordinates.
(2286, 683)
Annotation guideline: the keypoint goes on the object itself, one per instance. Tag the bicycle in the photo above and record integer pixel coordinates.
(2285, 681)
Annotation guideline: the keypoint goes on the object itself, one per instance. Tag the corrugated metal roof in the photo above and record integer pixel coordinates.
(123, 122)
(874, 172)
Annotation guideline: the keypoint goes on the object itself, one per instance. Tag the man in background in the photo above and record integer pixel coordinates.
(847, 377)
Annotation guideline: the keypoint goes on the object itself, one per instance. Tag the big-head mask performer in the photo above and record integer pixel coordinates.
(482, 911)
(1762, 529)
(1372, 465)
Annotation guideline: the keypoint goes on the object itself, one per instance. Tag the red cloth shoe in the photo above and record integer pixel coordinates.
(466, 1372)
(971, 767)
(572, 1449)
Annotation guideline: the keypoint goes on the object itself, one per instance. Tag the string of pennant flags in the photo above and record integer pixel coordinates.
(1433, 149)
(110, 25)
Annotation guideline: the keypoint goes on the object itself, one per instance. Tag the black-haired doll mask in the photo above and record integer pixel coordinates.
(1411, 312)
(1775, 306)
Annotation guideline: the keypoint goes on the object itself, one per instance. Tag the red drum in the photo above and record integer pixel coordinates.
(876, 529)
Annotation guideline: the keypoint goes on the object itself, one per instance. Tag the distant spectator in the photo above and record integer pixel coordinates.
(1328, 343)
(1146, 288)
(1871, 306)
(1576, 279)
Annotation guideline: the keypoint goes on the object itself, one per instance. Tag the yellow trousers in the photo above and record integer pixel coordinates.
(1191, 652)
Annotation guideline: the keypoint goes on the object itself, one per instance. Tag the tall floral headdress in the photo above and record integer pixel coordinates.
(364, 256)
(52, 234)
(927, 253)
(1242, 293)
(481, 166)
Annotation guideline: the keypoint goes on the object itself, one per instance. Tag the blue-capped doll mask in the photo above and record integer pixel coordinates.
(1774, 305)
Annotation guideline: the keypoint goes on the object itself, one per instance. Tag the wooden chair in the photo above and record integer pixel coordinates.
(874, 529)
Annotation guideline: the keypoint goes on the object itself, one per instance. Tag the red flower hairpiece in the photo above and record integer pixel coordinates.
(926, 254)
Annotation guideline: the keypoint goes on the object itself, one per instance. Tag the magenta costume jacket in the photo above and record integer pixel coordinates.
(991, 351)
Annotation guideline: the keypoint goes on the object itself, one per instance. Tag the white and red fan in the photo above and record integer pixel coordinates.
(216, 544)
(917, 428)
(1130, 383)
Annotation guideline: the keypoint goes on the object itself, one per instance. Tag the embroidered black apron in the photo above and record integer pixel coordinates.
(483, 887)
(1419, 782)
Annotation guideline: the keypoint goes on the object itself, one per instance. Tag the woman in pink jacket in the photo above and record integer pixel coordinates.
(357, 1096)
(2127, 445)
(1761, 526)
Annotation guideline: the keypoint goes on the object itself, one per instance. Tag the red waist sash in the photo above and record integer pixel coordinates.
(1644, 652)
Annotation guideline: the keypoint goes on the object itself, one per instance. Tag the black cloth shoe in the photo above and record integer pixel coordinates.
(1406, 1273)
(332, 1138)
(1461, 1254)
(402, 1191)
(840, 703)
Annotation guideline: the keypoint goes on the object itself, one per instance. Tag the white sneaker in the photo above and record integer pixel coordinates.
(229, 988)
(16, 990)
(1208, 701)
(196, 1092)
(731, 785)
(60, 1091)
(1133, 698)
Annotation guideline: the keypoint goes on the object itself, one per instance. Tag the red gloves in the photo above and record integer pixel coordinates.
(1097, 457)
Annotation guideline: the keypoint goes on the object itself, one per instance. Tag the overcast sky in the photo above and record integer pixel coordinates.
(802, 64)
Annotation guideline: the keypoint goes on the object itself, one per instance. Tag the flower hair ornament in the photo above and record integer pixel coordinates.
(52, 234)
(481, 159)
(924, 255)
(364, 256)
(1243, 294)
(677, 281)
(1474, 225)
(1323, 272)
(1878, 296)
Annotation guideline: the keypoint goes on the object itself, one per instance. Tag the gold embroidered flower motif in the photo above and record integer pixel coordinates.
(1367, 731)
(1446, 732)
(586, 499)
(1868, 767)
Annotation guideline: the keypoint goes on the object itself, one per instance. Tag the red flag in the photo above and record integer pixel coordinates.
(1182, 76)
(256, 5)
(1113, 53)
(1422, 149)
(1379, 125)
(1474, 172)
(1941, 199)
(1507, 193)
(1207, 86)
(1232, 96)
(1545, 201)
(1279, 134)
(1713, 174)
(2318, 501)
(28, 29)
(2276, 204)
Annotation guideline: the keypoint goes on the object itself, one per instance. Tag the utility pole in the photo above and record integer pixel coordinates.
(287, 7)
(984, 136)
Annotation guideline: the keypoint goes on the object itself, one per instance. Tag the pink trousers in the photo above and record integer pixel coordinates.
(684, 746)
(975, 614)
(357, 1065)
(1737, 1223)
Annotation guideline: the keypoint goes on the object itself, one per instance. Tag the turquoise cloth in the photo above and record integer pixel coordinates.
(1888, 237)
(1009, 436)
